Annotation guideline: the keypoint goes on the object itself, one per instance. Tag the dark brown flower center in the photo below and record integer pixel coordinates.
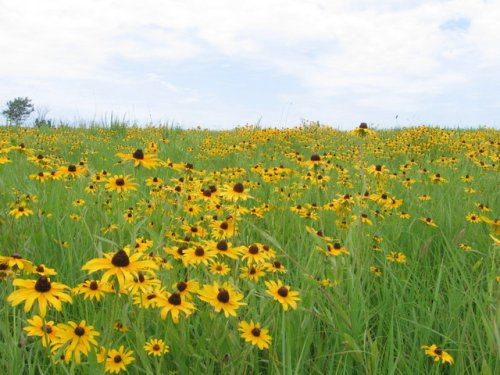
(283, 291)
(181, 286)
(363, 125)
(117, 358)
(156, 347)
(223, 296)
(199, 252)
(120, 259)
(48, 329)
(315, 157)
(72, 168)
(40, 269)
(224, 225)
(277, 264)
(138, 154)
(175, 299)
(254, 249)
(42, 285)
(337, 246)
(207, 193)
(180, 250)
(238, 188)
(256, 332)
(93, 285)
(79, 331)
(120, 182)
(438, 351)
(378, 168)
(222, 246)
(253, 271)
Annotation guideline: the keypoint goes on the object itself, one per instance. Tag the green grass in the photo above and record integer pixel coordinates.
(360, 324)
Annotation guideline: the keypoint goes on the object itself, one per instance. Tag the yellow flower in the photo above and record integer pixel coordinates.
(93, 289)
(20, 211)
(117, 360)
(428, 221)
(173, 304)
(141, 159)
(438, 354)
(156, 347)
(222, 297)
(74, 340)
(120, 183)
(395, 256)
(283, 294)
(235, 192)
(41, 328)
(120, 264)
(42, 291)
(254, 334)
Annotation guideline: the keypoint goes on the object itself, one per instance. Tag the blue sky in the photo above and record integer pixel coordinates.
(220, 63)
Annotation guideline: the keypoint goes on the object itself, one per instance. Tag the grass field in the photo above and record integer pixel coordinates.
(252, 251)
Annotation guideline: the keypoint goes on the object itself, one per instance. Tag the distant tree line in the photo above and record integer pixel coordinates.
(19, 110)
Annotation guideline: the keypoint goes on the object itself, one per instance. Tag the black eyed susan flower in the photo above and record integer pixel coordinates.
(43, 270)
(428, 221)
(39, 327)
(224, 248)
(120, 327)
(223, 298)
(74, 340)
(119, 264)
(141, 283)
(219, 268)
(156, 347)
(376, 270)
(235, 192)
(255, 254)
(118, 360)
(473, 218)
(397, 257)
(140, 159)
(93, 289)
(362, 130)
(20, 211)
(378, 170)
(252, 272)
(200, 254)
(154, 181)
(16, 261)
(187, 287)
(121, 183)
(173, 304)
(438, 354)
(42, 291)
(283, 294)
(275, 266)
(71, 171)
(255, 334)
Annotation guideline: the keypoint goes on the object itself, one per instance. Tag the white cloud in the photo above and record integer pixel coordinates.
(377, 52)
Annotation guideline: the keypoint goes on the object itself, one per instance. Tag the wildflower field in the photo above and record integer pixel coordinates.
(252, 251)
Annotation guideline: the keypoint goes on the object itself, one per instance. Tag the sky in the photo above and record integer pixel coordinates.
(220, 64)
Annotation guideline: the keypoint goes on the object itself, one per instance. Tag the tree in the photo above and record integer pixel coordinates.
(18, 110)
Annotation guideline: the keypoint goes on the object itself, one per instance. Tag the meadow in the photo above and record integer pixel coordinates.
(306, 250)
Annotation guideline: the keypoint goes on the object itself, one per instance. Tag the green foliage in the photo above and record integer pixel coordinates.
(18, 110)
(359, 324)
